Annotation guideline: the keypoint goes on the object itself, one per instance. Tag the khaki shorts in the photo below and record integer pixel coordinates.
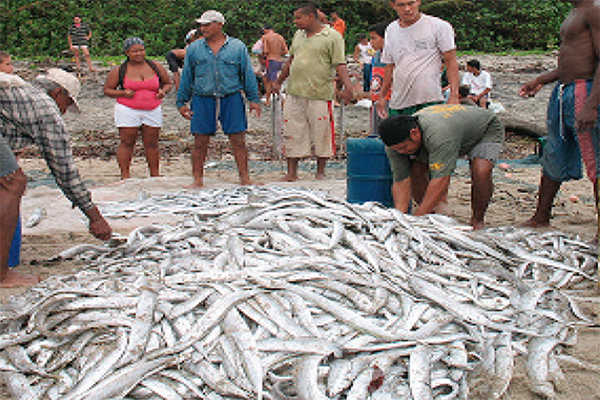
(308, 123)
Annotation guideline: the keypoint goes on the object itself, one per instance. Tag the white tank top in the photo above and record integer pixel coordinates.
(365, 53)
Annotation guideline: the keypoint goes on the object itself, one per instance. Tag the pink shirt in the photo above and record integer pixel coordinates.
(145, 94)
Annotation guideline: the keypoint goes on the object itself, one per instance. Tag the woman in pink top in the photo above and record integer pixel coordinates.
(139, 85)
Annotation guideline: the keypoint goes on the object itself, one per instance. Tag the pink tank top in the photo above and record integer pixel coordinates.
(145, 94)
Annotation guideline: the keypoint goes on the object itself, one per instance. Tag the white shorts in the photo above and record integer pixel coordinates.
(80, 46)
(126, 117)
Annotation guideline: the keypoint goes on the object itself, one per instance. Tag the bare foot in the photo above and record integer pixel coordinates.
(14, 279)
(534, 223)
(249, 182)
(196, 185)
(289, 178)
(443, 208)
(477, 225)
(320, 177)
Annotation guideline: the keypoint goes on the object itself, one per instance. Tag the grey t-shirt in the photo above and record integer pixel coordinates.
(449, 131)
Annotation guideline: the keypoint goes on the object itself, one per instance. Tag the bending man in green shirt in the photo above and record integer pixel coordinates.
(423, 149)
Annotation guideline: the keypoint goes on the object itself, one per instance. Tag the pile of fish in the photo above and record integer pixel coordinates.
(271, 293)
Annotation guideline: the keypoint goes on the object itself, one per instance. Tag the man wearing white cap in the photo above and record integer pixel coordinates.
(217, 68)
(32, 114)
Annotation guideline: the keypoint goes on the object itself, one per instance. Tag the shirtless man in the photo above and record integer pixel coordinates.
(274, 48)
(574, 134)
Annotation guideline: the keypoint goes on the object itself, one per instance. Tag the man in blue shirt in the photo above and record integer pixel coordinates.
(216, 70)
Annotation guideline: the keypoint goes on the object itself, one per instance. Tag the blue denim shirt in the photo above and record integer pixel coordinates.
(217, 75)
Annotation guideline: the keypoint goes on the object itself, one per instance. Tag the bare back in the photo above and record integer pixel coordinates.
(274, 46)
(580, 48)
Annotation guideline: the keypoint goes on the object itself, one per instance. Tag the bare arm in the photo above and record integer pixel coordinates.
(588, 116)
(283, 75)
(167, 85)
(434, 195)
(531, 88)
(480, 95)
(286, 50)
(179, 53)
(388, 78)
(452, 74)
(356, 54)
(98, 226)
(110, 86)
(342, 72)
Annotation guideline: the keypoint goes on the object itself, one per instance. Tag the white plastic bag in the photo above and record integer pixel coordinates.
(364, 103)
(496, 107)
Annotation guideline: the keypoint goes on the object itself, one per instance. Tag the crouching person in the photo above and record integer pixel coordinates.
(423, 150)
(32, 114)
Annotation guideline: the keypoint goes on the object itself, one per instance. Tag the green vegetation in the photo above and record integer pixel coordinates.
(38, 28)
(503, 25)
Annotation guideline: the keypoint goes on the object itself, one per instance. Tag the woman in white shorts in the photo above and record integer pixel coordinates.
(139, 85)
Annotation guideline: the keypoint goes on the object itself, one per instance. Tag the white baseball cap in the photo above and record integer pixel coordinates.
(67, 81)
(211, 16)
(190, 34)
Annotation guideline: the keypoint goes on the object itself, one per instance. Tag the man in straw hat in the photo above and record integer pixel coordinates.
(32, 114)
(425, 147)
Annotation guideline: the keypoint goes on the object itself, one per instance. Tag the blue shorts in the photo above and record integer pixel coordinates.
(564, 147)
(229, 110)
(273, 68)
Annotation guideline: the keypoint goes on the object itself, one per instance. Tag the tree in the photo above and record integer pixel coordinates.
(34, 28)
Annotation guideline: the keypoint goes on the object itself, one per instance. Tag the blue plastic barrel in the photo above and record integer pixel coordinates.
(369, 177)
(14, 255)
